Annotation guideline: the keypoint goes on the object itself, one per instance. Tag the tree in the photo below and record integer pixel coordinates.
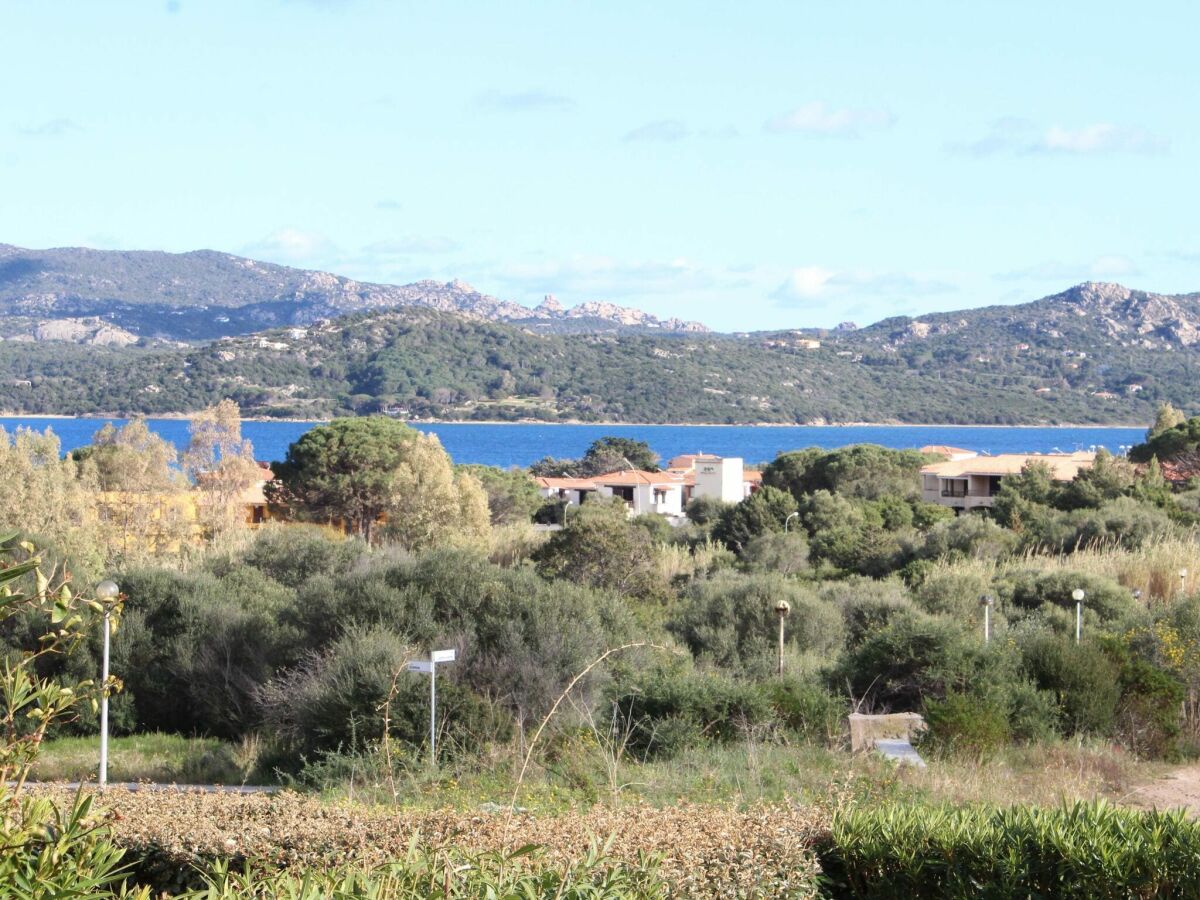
(766, 510)
(512, 495)
(221, 465)
(144, 501)
(610, 454)
(606, 454)
(1108, 478)
(1168, 417)
(867, 471)
(361, 471)
(598, 546)
(48, 496)
(430, 503)
(343, 471)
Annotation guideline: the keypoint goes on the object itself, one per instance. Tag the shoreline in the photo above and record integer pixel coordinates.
(605, 424)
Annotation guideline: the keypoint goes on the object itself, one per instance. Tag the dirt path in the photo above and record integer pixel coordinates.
(1180, 787)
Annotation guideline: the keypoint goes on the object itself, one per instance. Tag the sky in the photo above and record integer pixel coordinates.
(750, 165)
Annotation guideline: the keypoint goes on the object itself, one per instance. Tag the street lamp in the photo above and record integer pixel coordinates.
(788, 520)
(782, 608)
(986, 602)
(107, 591)
(1077, 595)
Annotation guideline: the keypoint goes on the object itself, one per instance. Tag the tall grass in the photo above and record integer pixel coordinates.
(1153, 569)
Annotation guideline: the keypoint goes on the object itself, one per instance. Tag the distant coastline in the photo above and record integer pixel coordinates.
(604, 424)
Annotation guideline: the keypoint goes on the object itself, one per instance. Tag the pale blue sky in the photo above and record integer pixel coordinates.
(750, 165)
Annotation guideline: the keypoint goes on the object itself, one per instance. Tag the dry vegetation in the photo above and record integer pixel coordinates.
(704, 851)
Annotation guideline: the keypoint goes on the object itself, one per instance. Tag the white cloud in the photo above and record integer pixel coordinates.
(812, 285)
(51, 128)
(593, 277)
(389, 205)
(292, 245)
(1016, 135)
(1112, 265)
(524, 101)
(819, 119)
(1101, 138)
(663, 130)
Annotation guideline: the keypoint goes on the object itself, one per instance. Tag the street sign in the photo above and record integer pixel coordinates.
(429, 667)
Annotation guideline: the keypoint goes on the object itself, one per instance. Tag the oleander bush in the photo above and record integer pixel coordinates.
(1080, 850)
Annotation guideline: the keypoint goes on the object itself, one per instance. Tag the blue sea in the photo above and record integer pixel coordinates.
(519, 445)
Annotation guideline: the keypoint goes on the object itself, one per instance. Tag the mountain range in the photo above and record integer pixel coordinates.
(107, 332)
(205, 295)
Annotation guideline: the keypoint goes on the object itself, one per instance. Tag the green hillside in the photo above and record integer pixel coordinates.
(420, 362)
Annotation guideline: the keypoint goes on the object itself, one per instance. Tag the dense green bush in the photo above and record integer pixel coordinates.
(730, 620)
(973, 724)
(786, 554)
(807, 709)
(1085, 850)
(1105, 599)
(764, 511)
(672, 709)
(912, 658)
(1083, 678)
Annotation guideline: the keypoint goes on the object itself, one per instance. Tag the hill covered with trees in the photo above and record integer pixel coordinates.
(1003, 369)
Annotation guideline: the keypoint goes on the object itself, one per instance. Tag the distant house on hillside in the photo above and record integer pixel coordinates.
(973, 482)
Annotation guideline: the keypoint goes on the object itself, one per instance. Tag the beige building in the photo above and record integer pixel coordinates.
(973, 482)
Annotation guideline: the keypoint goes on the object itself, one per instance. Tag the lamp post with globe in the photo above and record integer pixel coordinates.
(1078, 595)
(106, 592)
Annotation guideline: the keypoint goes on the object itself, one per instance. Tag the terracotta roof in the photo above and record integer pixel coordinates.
(688, 460)
(628, 477)
(1178, 472)
(571, 484)
(1063, 466)
(752, 475)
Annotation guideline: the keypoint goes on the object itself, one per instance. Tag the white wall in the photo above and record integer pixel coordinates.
(722, 479)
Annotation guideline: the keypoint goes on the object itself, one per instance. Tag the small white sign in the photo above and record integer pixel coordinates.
(421, 665)
(439, 656)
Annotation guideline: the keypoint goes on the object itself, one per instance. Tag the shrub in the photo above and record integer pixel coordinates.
(911, 658)
(786, 554)
(865, 604)
(671, 710)
(1106, 599)
(706, 510)
(1083, 679)
(731, 621)
(807, 709)
(954, 593)
(967, 723)
(1083, 850)
(334, 700)
(764, 511)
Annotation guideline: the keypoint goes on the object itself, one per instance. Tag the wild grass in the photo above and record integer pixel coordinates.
(162, 758)
(581, 771)
(1153, 569)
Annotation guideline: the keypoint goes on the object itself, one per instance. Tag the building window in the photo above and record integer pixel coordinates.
(625, 493)
(660, 496)
(954, 487)
(259, 515)
(993, 485)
